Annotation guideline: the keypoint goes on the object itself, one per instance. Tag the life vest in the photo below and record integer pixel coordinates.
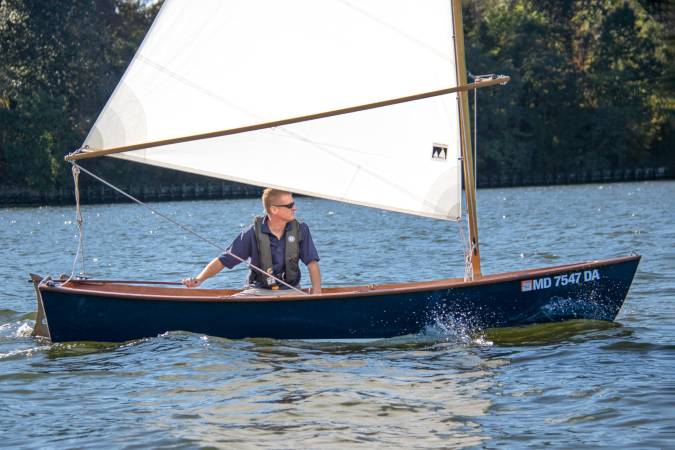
(291, 256)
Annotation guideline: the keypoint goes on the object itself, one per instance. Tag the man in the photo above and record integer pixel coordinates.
(274, 243)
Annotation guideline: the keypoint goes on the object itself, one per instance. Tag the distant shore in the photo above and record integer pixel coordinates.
(94, 194)
(16, 196)
(576, 177)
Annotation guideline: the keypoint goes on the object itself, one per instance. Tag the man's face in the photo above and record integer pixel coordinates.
(283, 208)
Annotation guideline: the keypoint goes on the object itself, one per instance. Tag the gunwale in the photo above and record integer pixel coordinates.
(101, 288)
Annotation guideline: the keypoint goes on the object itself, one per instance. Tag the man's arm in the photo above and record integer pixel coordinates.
(210, 270)
(315, 276)
(310, 257)
(241, 247)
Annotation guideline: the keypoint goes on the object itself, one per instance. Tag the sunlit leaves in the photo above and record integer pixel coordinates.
(583, 94)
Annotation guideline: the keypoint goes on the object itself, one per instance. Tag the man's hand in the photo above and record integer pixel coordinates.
(316, 290)
(191, 282)
(210, 270)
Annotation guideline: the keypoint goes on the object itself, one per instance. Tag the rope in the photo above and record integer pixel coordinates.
(475, 138)
(80, 225)
(468, 251)
(470, 247)
(183, 227)
(478, 79)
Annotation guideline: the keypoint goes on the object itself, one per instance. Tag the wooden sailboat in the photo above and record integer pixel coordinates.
(361, 102)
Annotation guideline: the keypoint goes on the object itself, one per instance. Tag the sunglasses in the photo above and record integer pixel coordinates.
(289, 205)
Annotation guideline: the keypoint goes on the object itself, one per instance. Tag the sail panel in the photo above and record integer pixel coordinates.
(216, 65)
(380, 158)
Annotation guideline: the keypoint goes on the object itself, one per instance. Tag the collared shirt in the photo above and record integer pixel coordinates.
(245, 247)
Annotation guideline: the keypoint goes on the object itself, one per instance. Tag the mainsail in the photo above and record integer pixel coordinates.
(214, 65)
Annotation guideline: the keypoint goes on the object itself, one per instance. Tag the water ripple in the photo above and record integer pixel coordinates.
(574, 384)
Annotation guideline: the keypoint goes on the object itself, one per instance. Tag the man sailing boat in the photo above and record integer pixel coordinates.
(275, 244)
(364, 113)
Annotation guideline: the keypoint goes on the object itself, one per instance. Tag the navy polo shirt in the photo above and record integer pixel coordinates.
(245, 247)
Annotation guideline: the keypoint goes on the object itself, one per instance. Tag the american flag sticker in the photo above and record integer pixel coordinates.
(525, 285)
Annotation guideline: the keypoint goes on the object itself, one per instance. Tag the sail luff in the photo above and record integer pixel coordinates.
(465, 139)
(87, 154)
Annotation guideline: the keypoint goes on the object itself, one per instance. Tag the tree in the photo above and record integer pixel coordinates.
(583, 91)
(61, 60)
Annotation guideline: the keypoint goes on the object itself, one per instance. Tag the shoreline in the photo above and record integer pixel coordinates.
(217, 190)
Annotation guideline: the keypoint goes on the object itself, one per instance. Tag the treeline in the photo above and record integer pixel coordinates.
(60, 61)
(592, 84)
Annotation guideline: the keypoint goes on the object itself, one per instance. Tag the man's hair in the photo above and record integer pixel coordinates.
(271, 196)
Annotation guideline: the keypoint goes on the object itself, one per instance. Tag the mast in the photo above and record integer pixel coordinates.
(178, 108)
(465, 137)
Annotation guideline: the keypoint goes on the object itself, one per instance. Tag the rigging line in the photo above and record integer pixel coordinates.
(475, 139)
(468, 251)
(476, 79)
(186, 229)
(80, 225)
(80, 220)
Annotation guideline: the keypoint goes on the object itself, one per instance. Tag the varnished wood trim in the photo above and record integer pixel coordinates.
(365, 292)
(465, 138)
(86, 154)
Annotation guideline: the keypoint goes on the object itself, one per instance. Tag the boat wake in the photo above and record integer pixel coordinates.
(15, 331)
(16, 325)
(22, 353)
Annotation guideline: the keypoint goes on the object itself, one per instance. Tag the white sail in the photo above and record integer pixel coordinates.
(212, 65)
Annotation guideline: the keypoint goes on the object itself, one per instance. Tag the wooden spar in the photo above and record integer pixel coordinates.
(86, 154)
(465, 137)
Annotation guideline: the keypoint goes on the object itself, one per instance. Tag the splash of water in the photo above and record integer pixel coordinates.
(456, 327)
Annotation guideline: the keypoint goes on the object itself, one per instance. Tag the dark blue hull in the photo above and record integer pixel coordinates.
(85, 311)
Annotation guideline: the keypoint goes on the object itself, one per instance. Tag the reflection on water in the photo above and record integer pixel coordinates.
(316, 395)
(564, 385)
(214, 392)
(553, 333)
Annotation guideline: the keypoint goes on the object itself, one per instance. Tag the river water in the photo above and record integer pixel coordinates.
(578, 384)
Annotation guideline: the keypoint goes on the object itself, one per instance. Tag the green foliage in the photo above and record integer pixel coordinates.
(60, 62)
(593, 83)
(584, 91)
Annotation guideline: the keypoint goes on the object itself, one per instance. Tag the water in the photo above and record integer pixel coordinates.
(577, 384)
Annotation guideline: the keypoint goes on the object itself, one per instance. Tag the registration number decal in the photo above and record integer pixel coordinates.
(559, 280)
